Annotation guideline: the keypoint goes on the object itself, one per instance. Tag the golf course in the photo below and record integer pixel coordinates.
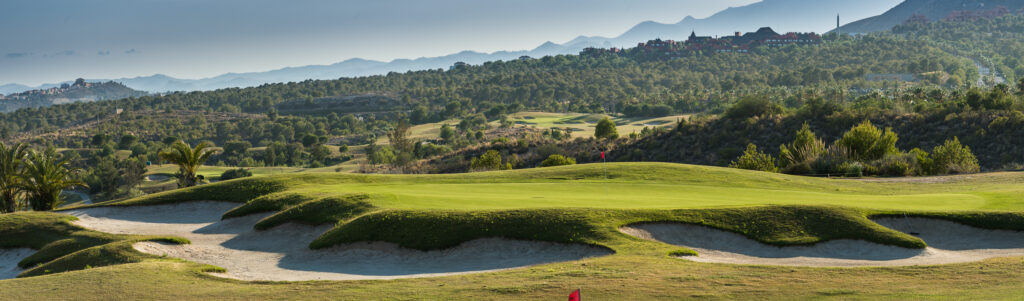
(615, 230)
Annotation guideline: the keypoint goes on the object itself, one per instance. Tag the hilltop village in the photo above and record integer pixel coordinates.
(737, 43)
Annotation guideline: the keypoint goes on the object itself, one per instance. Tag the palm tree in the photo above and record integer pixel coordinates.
(188, 160)
(11, 162)
(44, 178)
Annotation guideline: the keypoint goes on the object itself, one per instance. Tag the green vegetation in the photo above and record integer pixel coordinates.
(235, 174)
(606, 130)
(557, 160)
(189, 160)
(863, 150)
(753, 159)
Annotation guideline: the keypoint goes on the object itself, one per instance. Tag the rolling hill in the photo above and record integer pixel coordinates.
(932, 9)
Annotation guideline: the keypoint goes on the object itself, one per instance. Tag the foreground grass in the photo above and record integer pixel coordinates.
(609, 278)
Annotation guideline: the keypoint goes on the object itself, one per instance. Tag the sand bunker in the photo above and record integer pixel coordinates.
(948, 243)
(9, 259)
(282, 253)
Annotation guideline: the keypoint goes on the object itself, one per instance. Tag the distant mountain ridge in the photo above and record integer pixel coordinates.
(934, 10)
(782, 15)
(81, 90)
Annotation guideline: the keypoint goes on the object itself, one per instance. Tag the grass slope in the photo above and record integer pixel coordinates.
(64, 247)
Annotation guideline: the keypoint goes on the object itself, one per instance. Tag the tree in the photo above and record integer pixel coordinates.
(491, 160)
(188, 160)
(319, 153)
(127, 141)
(310, 140)
(606, 130)
(45, 177)
(953, 157)
(447, 133)
(557, 160)
(753, 159)
(865, 142)
(11, 164)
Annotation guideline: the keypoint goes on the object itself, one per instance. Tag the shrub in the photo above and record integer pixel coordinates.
(557, 160)
(896, 166)
(852, 169)
(805, 148)
(953, 157)
(235, 174)
(753, 159)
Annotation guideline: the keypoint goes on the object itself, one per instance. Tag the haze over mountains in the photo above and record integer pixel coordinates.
(782, 15)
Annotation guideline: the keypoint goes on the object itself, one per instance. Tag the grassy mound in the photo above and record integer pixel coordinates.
(268, 203)
(63, 247)
(320, 211)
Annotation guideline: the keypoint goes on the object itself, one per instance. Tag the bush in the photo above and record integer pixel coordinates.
(852, 169)
(557, 160)
(753, 159)
(235, 174)
(896, 166)
(953, 157)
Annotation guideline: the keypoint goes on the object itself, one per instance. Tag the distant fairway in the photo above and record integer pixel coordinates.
(653, 185)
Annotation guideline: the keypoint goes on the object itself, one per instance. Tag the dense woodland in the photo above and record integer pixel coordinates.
(761, 98)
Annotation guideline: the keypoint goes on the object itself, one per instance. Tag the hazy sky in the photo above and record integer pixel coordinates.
(45, 41)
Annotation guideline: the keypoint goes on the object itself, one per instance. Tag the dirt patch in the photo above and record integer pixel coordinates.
(9, 259)
(948, 243)
(282, 253)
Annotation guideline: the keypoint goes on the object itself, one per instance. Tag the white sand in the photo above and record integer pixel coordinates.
(9, 259)
(948, 243)
(282, 253)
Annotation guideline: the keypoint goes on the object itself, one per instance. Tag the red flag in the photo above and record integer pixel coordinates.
(575, 296)
(602, 155)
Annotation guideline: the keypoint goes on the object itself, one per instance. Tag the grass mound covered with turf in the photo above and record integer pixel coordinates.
(62, 246)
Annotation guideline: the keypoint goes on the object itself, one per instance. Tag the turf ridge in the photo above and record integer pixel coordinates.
(62, 246)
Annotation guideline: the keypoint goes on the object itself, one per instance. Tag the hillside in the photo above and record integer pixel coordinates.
(783, 15)
(79, 91)
(932, 9)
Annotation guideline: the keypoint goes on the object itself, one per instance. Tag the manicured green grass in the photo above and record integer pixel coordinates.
(587, 204)
(583, 124)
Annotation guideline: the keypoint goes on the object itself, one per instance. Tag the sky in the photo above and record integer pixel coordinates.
(47, 41)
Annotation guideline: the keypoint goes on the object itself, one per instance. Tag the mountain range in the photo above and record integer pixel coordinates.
(783, 15)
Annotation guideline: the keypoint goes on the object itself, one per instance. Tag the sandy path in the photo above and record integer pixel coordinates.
(9, 259)
(282, 253)
(948, 243)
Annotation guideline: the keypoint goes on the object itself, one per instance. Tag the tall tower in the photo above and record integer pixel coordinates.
(838, 32)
